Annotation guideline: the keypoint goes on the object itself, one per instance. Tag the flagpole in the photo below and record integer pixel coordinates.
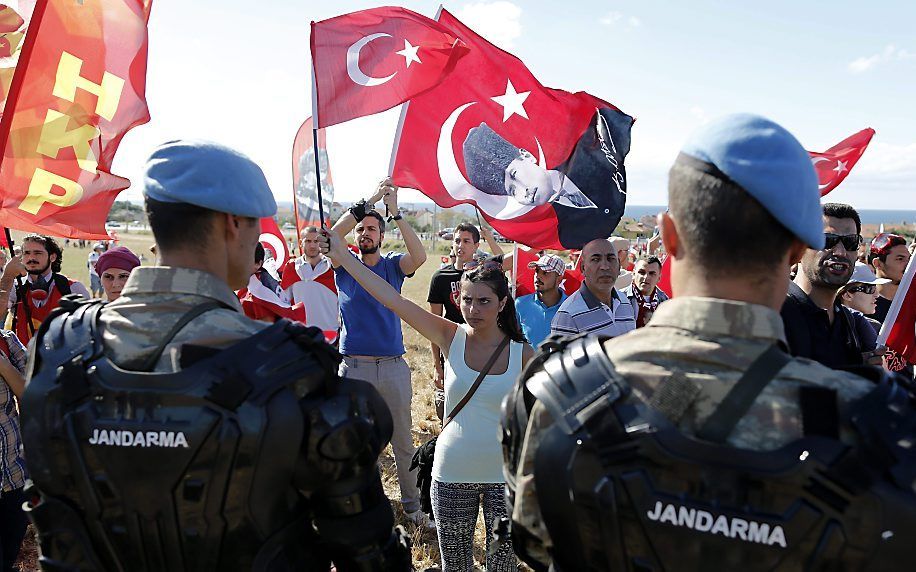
(514, 267)
(19, 298)
(897, 302)
(315, 124)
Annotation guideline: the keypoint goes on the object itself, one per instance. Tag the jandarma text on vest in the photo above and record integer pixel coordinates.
(703, 521)
(125, 438)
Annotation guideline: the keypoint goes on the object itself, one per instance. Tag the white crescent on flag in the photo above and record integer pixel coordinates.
(353, 69)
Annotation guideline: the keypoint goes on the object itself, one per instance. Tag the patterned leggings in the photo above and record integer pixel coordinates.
(455, 507)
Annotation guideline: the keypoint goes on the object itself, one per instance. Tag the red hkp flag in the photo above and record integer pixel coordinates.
(544, 166)
(898, 332)
(368, 61)
(305, 188)
(78, 88)
(834, 164)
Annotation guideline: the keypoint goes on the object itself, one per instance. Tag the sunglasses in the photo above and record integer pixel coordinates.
(864, 288)
(850, 241)
(482, 265)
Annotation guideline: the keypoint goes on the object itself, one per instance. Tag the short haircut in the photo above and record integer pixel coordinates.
(652, 260)
(310, 229)
(468, 227)
(381, 221)
(178, 226)
(259, 253)
(840, 210)
(722, 228)
(51, 246)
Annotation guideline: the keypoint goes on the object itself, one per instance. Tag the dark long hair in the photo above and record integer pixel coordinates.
(490, 273)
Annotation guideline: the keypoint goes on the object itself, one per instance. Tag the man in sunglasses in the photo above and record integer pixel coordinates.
(818, 326)
(889, 256)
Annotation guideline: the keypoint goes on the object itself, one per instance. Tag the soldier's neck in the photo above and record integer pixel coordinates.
(195, 261)
(767, 291)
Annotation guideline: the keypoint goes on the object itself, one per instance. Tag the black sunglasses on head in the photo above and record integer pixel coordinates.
(850, 241)
(864, 288)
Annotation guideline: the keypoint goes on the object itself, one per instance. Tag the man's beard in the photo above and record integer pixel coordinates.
(39, 272)
(371, 250)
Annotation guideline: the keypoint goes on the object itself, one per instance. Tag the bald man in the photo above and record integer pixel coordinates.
(597, 307)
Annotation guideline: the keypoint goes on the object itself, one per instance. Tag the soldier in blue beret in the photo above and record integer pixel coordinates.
(692, 443)
(187, 436)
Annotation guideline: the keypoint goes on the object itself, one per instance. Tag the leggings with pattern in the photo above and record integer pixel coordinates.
(455, 508)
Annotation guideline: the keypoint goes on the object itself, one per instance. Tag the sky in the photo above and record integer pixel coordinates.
(238, 73)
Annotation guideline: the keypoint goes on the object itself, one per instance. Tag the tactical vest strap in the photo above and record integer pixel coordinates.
(150, 362)
(738, 401)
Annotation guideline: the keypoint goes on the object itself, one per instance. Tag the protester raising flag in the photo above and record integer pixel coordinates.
(834, 164)
(544, 166)
(78, 88)
(305, 188)
(898, 332)
(368, 61)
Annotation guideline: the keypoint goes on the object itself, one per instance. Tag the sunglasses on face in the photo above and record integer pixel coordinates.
(850, 241)
(864, 288)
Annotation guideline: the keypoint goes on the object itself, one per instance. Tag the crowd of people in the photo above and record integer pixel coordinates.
(760, 269)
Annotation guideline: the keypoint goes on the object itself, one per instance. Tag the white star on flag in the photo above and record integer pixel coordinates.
(410, 54)
(512, 102)
(840, 167)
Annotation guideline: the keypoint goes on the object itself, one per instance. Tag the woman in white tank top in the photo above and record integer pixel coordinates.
(467, 470)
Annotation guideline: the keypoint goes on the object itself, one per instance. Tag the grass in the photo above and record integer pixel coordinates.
(425, 423)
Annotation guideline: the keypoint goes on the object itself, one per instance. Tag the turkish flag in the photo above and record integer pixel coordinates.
(524, 276)
(305, 189)
(78, 88)
(898, 332)
(544, 166)
(834, 164)
(261, 303)
(368, 61)
(274, 244)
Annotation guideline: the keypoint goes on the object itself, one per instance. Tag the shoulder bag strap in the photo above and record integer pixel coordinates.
(483, 373)
(737, 402)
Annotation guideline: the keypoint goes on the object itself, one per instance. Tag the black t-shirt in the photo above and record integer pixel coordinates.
(882, 305)
(810, 334)
(444, 288)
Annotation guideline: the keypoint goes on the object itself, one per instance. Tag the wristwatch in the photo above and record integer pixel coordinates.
(395, 217)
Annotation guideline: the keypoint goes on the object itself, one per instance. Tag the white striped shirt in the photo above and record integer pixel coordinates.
(583, 313)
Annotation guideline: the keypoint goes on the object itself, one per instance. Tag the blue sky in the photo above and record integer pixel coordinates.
(238, 73)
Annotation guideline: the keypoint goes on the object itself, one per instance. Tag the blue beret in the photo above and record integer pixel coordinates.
(770, 164)
(486, 157)
(209, 176)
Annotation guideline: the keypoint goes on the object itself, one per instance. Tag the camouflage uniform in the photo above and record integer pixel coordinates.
(154, 299)
(683, 363)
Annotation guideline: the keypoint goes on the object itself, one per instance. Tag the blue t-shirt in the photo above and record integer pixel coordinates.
(370, 329)
(535, 317)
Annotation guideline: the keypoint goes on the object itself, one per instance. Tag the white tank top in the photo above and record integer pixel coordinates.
(468, 449)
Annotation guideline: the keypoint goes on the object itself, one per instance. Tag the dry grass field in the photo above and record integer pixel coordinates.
(425, 422)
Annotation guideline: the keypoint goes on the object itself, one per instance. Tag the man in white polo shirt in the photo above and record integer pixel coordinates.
(597, 307)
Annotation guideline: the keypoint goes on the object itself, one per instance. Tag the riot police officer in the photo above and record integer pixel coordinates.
(167, 431)
(697, 442)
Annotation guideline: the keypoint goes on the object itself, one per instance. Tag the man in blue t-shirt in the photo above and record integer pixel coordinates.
(536, 311)
(370, 339)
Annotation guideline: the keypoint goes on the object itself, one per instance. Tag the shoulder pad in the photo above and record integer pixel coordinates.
(575, 377)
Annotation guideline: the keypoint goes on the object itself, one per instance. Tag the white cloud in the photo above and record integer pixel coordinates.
(612, 18)
(889, 54)
(499, 22)
(699, 113)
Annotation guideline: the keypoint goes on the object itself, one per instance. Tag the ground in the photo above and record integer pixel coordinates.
(425, 422)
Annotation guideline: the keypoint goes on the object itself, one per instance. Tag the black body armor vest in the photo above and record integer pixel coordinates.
(256, 457)
(620, 488)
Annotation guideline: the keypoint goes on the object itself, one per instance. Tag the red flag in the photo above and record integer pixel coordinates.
(544, 166)
(261, 303)
(834, 164)
(368, 61)
(78, 88)
(898, 332)
(275, 244)
(305, 191)
(664, 283)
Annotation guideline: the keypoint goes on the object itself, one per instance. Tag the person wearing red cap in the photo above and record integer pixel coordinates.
(114, 268)
(888, 255)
